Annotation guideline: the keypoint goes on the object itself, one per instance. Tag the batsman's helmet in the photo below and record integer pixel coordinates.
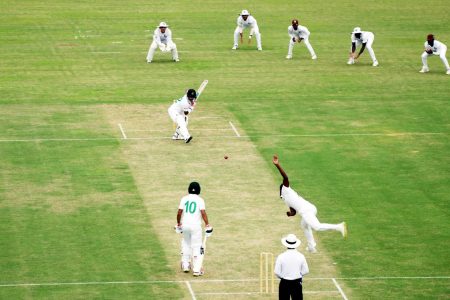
(194, 188)
(191, 94)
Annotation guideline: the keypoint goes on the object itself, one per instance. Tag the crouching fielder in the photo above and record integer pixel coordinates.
(179, 111)
(365, 40)
(162, 38)
(190, 212)
(306, 210)
(298, 33)
(434, 47)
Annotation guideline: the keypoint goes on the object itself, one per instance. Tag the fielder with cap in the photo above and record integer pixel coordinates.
(162, 38)
(305, 209)
(298, 33)
(245, 20)
(365, 40)
(290, 267)
(434, 47)
(179, 111)
(190, 212)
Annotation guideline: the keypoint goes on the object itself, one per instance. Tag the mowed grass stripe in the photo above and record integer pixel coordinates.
(71, 212)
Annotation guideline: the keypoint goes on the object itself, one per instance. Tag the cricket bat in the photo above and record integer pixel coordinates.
(202, 88)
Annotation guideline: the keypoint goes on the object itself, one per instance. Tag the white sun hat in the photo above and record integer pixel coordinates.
(244, 13)
(291, 241)
(357, 30)
(163, 24)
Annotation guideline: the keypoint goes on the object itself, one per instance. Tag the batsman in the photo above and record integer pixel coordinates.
(190, 212)
(180, 109)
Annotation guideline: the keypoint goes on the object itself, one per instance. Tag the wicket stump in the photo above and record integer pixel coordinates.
(266, 274)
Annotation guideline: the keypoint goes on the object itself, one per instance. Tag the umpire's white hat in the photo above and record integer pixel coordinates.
(291, 241)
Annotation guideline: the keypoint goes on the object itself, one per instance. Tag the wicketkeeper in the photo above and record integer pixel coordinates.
(190, 212)
(162, 39)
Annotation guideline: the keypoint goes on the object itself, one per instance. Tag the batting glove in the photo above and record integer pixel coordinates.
(208, 230)
(178, 228)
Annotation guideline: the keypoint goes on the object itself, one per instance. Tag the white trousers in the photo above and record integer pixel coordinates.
(255, 32)
(307, 43)
(170, 45)
(441, 55)
(310, 222)
(369, 48)
(190, 247)
(182, 121)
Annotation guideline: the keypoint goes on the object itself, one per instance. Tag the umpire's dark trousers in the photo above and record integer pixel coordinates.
(290, 288)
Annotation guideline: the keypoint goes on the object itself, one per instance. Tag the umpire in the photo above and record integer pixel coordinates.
(290, 267)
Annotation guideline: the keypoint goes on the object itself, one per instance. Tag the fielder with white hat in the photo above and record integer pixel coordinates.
(162, 38)
(306, 210)
(364, 38)
(190, 213)
(245, 20)
(290, 267)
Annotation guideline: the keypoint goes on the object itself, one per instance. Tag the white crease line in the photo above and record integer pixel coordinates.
(206, 281)
(191, 291)
(165, 130)
(117, 42)
(339, 288)
(234, 129)
(224, 136)
(123, 131)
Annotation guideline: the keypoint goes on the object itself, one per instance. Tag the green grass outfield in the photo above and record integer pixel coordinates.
(82, 206)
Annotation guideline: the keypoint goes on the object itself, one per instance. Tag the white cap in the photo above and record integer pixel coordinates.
(357, 30)
(163, 24)
(244, 13)
(291, 241)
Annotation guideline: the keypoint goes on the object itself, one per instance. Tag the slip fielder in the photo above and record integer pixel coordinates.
(298, 33)
(162, 38)
(365, 40)
(434, 47)
(245, 20)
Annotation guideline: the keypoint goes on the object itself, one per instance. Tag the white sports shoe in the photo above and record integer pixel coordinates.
(314, 57)
(196, 274)
(259, 49)
(186, 268)
(351, 61)
(375, 63)
(234, 47)
(149, 61)
(288, 57)
(448, 72)
(425, 70)
(343, 229)
(176, 60)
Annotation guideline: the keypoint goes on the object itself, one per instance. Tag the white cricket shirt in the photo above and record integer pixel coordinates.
(366, 36)
(250, 22)
(291, 265)
(301, 31)
(292, 199)
(191, 206)
(437, 48)
(181, 105)
(162, 38)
